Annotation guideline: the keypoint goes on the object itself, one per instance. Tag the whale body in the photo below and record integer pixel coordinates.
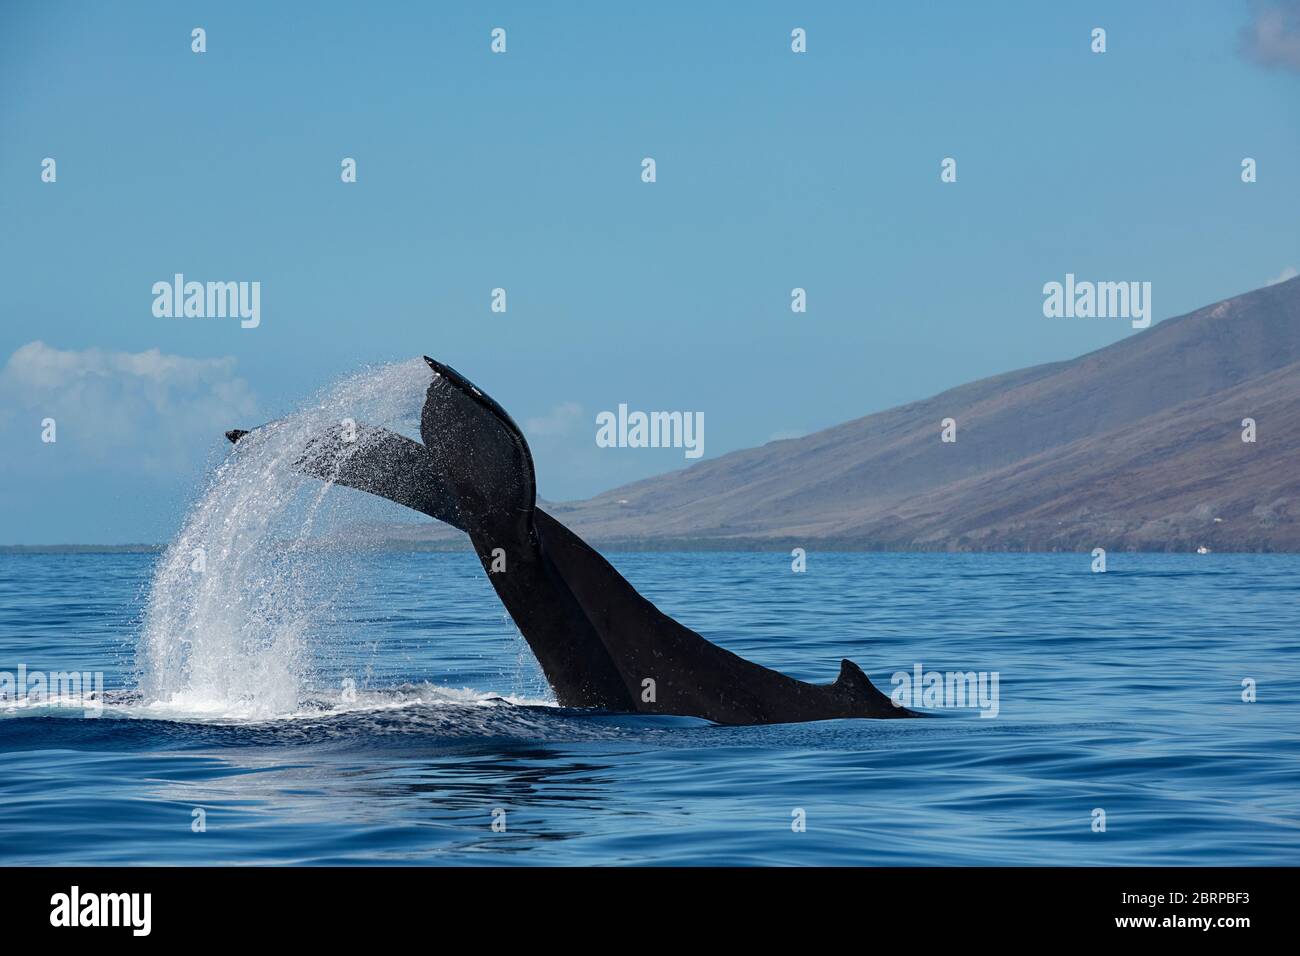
(600, 644)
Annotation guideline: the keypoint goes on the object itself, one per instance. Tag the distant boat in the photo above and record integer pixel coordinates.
(1202, 550)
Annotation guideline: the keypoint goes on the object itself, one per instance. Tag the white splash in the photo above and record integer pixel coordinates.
(237, 597)
(413, 697)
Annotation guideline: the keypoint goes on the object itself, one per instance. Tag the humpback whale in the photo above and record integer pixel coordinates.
(600, 644)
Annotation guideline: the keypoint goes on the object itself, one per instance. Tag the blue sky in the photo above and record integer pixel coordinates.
(522, 171)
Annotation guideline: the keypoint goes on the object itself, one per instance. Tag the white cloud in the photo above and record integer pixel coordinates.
(1290, 272)
(1273, 36)
(137, 411)
(558, 421)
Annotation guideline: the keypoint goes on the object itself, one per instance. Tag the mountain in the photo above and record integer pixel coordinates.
(1135, 446)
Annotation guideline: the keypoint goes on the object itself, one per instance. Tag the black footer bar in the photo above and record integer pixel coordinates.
(333, 905)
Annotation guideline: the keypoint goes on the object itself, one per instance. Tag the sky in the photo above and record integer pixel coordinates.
(522, 170)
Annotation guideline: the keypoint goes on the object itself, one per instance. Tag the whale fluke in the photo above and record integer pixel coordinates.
(380, 462)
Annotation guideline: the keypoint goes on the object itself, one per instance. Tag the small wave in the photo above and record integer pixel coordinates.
(195, 708)
(416, 719)
(192, 708)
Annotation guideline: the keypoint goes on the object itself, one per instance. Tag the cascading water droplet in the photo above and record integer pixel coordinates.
(237, 598)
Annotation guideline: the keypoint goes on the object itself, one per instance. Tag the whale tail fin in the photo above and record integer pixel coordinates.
(474, 470)
(380, 462)
(480, 453)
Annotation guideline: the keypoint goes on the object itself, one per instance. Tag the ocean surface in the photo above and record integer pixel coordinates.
(403, 715)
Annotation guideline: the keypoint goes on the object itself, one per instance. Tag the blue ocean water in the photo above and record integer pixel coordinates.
(1119, 691)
